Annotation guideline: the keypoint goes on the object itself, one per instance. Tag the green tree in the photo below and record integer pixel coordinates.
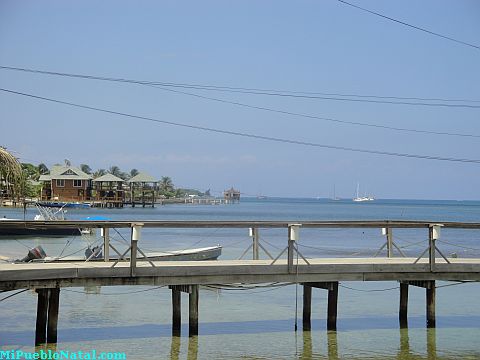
(43, 169)
(85, 168)
(166, 187)
(30, 171)
(115, 170)
(166, 184)
(133, 173)
(99, 172)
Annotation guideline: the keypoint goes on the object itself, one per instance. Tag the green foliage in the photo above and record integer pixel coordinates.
(85, 168)
(30, 171)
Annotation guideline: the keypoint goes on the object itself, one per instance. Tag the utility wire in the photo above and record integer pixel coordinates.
(411, 26)
(164, 87)
(317, 117)
(9, 296)
(250, 135)
(269, 92)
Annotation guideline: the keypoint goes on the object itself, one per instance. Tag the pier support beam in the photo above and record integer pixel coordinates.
(332, 305)
(193, 295)
(176, 312)
(193, 311)
(52, 322)
(307, 307)
(429, 286)
(42, 316)
(47, 316)
(403, 308)
(430, 297)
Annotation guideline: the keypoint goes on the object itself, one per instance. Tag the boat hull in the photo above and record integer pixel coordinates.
(200, 254)
(34, 231)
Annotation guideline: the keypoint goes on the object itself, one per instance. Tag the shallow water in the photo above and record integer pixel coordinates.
(259, 323)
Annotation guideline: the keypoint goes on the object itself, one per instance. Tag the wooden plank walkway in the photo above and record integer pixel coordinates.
(34, 275)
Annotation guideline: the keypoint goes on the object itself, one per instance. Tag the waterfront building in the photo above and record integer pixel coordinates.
(66, 183)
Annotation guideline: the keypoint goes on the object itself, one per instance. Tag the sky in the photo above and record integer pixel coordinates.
(305, 46)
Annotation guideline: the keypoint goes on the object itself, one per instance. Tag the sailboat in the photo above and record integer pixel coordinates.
(335, 198)
(359, 198)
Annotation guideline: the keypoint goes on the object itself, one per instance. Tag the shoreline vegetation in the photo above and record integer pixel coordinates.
(24, 183)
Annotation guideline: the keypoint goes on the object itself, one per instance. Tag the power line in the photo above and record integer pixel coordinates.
(411, 26)
(262, 108)
(249, 135)
(418, 101)
(317, 117)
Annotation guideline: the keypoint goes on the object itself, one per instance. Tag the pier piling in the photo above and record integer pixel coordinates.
(403, 311)
(430, 300)
(52, 321)
(42, 316)
(176, 312)
(193, 311)
(47, 316)
(307, 307)
(332, 287)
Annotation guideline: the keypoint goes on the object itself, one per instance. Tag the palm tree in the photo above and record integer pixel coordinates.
(134, 172)
(166, 184)
(42, 169)
(115, 170)
(98, 173)
(85, 168)
(10, 170)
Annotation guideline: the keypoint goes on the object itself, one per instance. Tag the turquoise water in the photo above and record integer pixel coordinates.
(259, 323)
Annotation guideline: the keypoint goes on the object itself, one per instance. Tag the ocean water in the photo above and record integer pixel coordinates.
(259, 323)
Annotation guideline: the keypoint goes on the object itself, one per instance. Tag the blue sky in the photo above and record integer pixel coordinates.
(312, 46)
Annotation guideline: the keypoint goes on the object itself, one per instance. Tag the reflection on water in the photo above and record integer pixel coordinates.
(310, 340)
(192, 353)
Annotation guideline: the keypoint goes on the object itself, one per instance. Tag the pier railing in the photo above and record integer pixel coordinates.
(291, 249)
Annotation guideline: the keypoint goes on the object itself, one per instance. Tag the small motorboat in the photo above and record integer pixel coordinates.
(37, 254)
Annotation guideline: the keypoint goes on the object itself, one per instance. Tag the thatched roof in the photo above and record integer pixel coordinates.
(108, 178)
(142, 178)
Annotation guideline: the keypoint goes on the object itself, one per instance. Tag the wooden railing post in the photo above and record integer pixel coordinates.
(106, 243)
(389, 243)
(136, 233)
(431, 249)
(293, 236)
(255, 239)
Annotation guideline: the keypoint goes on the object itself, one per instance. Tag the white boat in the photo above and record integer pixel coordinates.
(37, 254)
(358, 198)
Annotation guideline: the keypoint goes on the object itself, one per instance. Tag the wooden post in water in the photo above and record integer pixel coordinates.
(332, 306)
(176, 312)
(42, 316)
(332, 287)
(403, 311)
(430, 297)
(52, 322)
(307, 307)
(193, 311)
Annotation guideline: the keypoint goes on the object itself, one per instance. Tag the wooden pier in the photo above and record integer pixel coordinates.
(187, 276)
